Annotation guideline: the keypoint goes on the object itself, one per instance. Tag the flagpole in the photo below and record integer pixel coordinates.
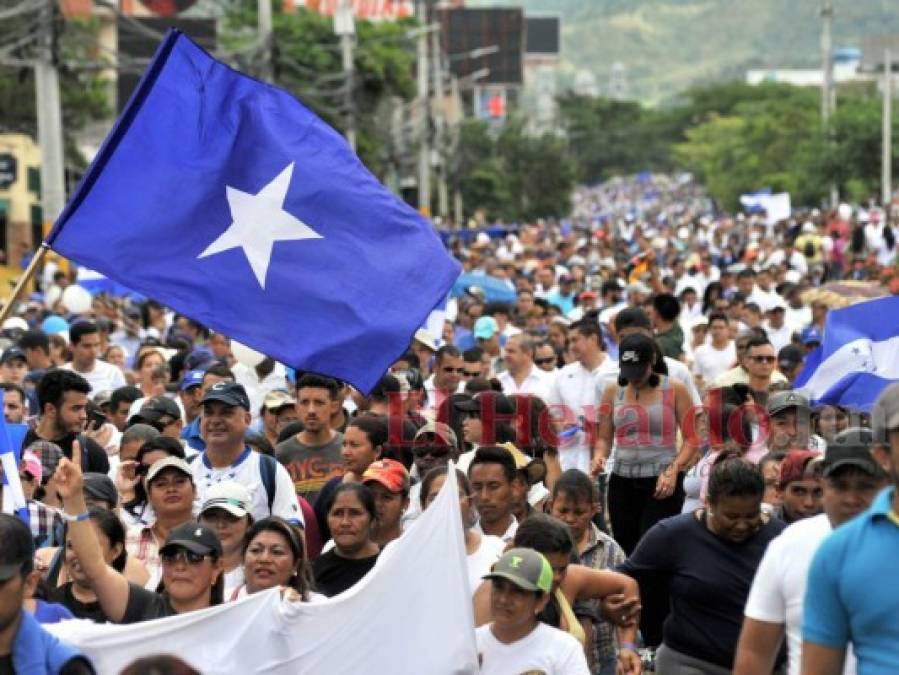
(24, 279)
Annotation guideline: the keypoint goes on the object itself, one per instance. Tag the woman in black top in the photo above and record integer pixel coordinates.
(709, 558)
(350, 518)
(192, 575)
(78, 594)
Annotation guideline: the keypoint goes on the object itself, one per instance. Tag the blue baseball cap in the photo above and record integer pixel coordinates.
(811, 334)
(192, 378)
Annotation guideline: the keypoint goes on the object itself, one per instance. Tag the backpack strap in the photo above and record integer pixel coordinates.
(268, 466)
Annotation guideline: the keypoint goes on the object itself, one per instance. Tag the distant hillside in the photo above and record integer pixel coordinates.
(666, 45)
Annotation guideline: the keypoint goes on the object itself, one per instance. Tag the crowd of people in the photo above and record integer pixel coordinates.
(642, 487)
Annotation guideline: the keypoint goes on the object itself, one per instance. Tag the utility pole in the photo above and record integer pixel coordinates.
(439, 113)
(345, 27)
(264, 23)
(887, 167)
(828, 94)
(49, 121)
(424, 150)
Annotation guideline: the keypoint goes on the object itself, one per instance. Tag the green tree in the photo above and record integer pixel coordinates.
(83, 90)
(307, 62)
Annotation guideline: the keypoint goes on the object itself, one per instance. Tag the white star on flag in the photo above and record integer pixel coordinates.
(258, 222)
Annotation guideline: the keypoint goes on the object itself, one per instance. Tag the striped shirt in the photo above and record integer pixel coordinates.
(602, 553)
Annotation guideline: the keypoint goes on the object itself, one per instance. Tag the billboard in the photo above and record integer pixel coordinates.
(366, 10)
(502, 30)
(543, 35)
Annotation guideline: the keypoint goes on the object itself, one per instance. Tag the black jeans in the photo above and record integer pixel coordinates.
(632, 511)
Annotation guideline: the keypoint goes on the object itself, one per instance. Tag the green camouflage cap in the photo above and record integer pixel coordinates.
(525, 568)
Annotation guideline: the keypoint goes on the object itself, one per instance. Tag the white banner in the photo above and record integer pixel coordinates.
(411, 614)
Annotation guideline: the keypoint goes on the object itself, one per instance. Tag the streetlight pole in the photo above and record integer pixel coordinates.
(264, 27)
(345, 27)
(887, 150)
(424, 149)
(49, 122)
(828, 97)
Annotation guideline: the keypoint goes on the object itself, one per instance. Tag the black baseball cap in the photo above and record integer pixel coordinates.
(100, 486)
(851, 447)
(229, 393)
(790, 356)
(636, 353)
(12, 354)
(17, 552)
(154, 409)
(194, 537)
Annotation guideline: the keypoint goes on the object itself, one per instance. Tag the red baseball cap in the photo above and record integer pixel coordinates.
(799, 465)
(389, 473)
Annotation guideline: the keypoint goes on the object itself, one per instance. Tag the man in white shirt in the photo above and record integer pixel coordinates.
(779, 333)
(515, 641)
(852, 478)
(227, 457)
(85, 342)
(446, 379)
(522, 376)
(573, 395)
(717, 356)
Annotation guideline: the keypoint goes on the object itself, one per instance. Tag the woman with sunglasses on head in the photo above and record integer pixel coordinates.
(481, 550)
(226, 511)
(274, 555)
(351, 518)
(191, 562)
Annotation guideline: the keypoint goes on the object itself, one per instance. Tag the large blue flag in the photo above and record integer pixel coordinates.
(228, 200)
(858, 358)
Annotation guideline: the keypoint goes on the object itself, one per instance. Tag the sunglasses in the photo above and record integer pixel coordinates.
(763, 359)
(26, 477)
(468, 373)
(431, 451)
(184, 555)
(546, 361)
(458, 371)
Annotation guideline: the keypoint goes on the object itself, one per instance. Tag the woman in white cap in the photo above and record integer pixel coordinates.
(226, 512)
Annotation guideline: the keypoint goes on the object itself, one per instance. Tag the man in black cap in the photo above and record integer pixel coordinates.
(224, 422)
(13, 366)
(25, 647)
(852, 478)
(790, 361)
(161, 413)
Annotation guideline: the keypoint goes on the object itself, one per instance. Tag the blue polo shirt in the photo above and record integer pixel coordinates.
(191, 434)
(852, 594)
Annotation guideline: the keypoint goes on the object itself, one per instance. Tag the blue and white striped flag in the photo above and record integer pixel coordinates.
(858, 358)
(10, 455)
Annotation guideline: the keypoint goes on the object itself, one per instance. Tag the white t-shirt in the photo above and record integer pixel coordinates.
(481, 561)
(575, 388)
(779, 337)
(233, 580)
(103, 377)
(546, 650)
(506, 536)
(246, 471)
(778, 589)
(709, 362)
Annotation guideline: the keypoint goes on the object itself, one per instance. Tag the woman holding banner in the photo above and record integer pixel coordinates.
(191, 561)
